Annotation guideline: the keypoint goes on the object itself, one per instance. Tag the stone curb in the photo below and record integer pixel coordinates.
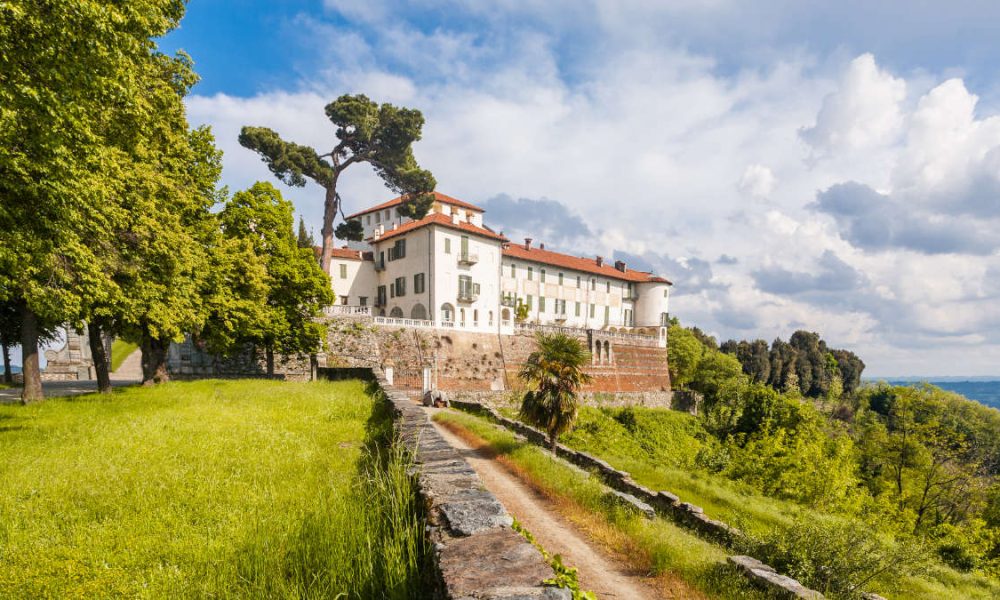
(476, 553)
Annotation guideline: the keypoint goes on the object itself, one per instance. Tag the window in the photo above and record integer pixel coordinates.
(607, 315)
(398, 250)
(418, 283)
(380, 297)
(530, 272)
(363, 301)
(664, 320)
(577, 282)
(368, 220)
(665, 293)
(528, 303)
(378, 217)
(609, 286)
(343, 271)
(541, 304)
(343, 300)
(628, 317)
(464, 244)
(577, 309)
(560, 307)
(593, 285)
(400, 286)
(387, 214)
(392, 290)
(513, 270)
(447, 245)
(560, 279)
(541, 276)
(591, 311)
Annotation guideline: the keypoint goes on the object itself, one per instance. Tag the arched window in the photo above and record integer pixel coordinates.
(607, 352)
(418, 312)
(505, 314)
(396, 313)
(597, 353)
(447, 313)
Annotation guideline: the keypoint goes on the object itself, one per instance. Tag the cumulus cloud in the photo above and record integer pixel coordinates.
(830, 275)
(865, 110)
(873, 221)
(546, 221)
(757, 181)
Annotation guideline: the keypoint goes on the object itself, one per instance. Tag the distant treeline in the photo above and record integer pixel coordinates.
(804, 363)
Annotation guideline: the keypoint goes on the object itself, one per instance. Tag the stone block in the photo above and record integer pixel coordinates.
(764, 576)
(633, 502)
(492, 562)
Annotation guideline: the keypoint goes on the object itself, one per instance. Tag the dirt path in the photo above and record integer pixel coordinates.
(597, 572)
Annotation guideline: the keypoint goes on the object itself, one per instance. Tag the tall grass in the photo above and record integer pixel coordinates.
(246, 489)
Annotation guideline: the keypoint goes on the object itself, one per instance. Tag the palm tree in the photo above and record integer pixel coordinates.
(555, 374)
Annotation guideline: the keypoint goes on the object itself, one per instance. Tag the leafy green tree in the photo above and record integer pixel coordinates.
(10, 330)
(851, 367)
(305, 239)
(714, 373)
(684, 352)
(380, 135)
(296, 288)
(67, 128)
(555, 373)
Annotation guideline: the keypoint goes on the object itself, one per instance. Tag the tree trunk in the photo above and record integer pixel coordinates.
(8, 375)
(269, 352)
(30, 368)
(101, 362)
(330, 207)
(154, 360)
(553, 441)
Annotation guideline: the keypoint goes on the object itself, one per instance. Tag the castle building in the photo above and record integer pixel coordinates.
(449, 269)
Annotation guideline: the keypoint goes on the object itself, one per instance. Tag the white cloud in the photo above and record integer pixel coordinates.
(864, 111)
(757, 181)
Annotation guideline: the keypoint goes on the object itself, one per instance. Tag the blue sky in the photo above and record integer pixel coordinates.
(789, 164)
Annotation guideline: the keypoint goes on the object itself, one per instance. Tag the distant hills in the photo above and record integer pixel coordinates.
(931, 378)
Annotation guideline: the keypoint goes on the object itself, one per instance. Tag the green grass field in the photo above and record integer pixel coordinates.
(235, 489)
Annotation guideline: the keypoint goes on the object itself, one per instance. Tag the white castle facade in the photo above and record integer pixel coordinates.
(450, 270)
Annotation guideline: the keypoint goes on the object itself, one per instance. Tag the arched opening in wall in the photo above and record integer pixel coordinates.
(447, 313)
(396, 313)
(597, 352)
(607, 352)
(418, 312)
(505, 314)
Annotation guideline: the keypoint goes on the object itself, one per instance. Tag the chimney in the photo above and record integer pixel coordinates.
(541, 246)
(620, 265)
(600, 261)
(527, 243)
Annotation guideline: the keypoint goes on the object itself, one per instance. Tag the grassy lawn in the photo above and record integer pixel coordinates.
(120, 350)
(658, 449)
(222, 489)
(686, 565)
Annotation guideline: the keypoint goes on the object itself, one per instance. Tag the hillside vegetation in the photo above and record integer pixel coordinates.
(236, 489)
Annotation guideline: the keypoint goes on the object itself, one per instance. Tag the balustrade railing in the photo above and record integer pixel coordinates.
(353, 311)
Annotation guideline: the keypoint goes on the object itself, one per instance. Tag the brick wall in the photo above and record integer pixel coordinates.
(468, 362)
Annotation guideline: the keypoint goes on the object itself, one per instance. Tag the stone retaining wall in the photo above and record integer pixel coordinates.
(476, 552)
(665, 503)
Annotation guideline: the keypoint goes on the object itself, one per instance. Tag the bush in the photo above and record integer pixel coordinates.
(838, 558)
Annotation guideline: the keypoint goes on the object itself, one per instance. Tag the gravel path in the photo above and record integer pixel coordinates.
(597, 572)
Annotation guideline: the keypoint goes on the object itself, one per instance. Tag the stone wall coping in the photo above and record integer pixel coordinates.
(476, 552)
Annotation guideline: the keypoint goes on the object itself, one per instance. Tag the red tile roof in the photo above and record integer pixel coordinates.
(438, 197)
(443, 221)
(344, 252)
(587, 265)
